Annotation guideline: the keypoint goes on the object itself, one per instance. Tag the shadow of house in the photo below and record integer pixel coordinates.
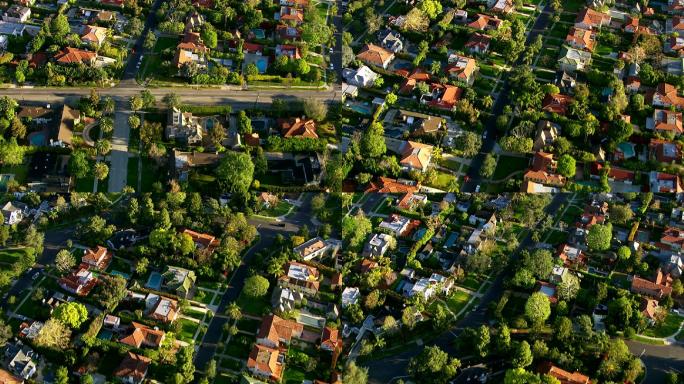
(48, 172)
(300, 169)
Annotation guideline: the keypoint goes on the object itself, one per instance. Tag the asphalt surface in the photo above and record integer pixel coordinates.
(268, 230)
(131, 71)
(659, 360)
(388, 368)
(503, 100)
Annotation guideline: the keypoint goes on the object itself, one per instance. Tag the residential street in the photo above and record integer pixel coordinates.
(503, 100)
(659, 359)
(384, 370)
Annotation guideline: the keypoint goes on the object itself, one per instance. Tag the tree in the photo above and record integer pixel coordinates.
(11, 153)
(432, 8)
(488, 166)
(566, 166)
(185, 365)
(568, 288)
(64, 261)
(315, 108)
(353, 374)
(621, 213)
(5, 332)
(103, 146)
(516, 144)
(71, 314)
(34, 239)
(538, 308)
(433, 365)
(134, 121)
(599, 237)
(136, 103)
(100, 170)
(539, 262)
(244, 123)
(62, 375)
(54, 335)
(141, 265)
(373, 141)
(59, 26)
(523, 355)
(209, 36)
(619, 312)
(150, 40)
(624, 253)
(235, 172)
(17, 129)
(210, 369)
(520, 376)
(416, 20)
(172, 100)
(256, 286)
(503, 340)
(355, 229)
(408, 317)
(251, 70)
(110, 291)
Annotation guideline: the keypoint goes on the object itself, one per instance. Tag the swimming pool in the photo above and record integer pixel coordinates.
(154, 281)
(105, 334)
(119, 273)
(259, 33)
(38, 139)
(362, 109)
(261, 64)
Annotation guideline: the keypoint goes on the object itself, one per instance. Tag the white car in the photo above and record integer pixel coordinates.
(35, 275)
(484, 135)
(332, 66)
(331, 50)
(477, 188)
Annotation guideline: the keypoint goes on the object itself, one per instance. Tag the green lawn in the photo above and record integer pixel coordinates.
(238, 347)
(571, 215)
(19, 171)
(248, 325)
(85, 184)
(556, 237)
(187, 330)
(385, 208)
(231, 364)
(509, 164)
(203, 296)
(150, 174)
(293, 375)
(282, 208)
(11, 256)
(451, 164)
(457, 301)
(254, 306)
(442, 180)
(471, 282)
(195, 314)
(132, 175)
(667, 328)
(165, 42)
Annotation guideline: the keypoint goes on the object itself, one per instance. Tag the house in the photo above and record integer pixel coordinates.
(204, 243)
(559, 275)
(657, 289)
(111, 322)
(79, 282)
(501, 6)
(462, 68)
(17, 14)
(426, 287)
(295, 3)
(675, 24)
(266, 362)
(396, 224)
(184, 126)
(113, 3)
(581, 39)
(275, 330)
(298, 127)
(143, 336)
(132, 369)
(4, 43)
(411, 201)
(415, 156)
(300, 277)
(423, 124)
(650, 309)
(291, 51)
(660, 182)
(313, 248)
(570, 255)
(362, 77)
(478, 43)
(372, 54)
(286, 32)
(8, 378)
(161, 308)
(285, 299)
(615, 174)
(390, 40)
(74, 56)
(19, 360)
(97, 258)
(591, 19)
(68, 120)
(665, 120)
(564, 377)
(573, 60)
(191, 51)
(14, 212)
(675, 44)
(664, 151)
(387, 185)
(377, 245)
(546, 135)
(557, 103)
(291, 15)
(94, 36)
(485, 22)
(179, 281)
(330, 339)
(665, 96)
(565, 81)
(350, 296)
(30, 331)
(442, 96)
(18, 29)
(543, 170)
(194, 22)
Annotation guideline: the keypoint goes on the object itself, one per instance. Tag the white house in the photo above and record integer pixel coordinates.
(350, 296)
(396, 224)
(14, 212)
(377, 245)
(390, 40)
(362, 77)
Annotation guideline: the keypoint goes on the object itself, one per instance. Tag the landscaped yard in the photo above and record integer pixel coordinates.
(11, 256)
(293, 376)
(556, 237)
(667, 328)
(248, 325)
(187, 330)
(443, 180)
(471, 282)
(385, 207)
(254, 306)
(237, 348)
(457, 301)
(509, 164)
(282, 208)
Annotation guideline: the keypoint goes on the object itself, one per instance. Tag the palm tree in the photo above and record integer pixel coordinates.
(106, 124)
(487, 102)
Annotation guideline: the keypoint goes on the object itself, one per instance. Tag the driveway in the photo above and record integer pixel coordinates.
(118, 157)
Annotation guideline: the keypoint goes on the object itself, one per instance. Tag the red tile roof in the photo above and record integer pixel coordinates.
(74, 56)
(296, 127)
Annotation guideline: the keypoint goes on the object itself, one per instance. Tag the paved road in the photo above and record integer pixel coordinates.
(503, 100)
(131, 71)
(658, 359)
(268, 230)
(384, 370)
(118, 157)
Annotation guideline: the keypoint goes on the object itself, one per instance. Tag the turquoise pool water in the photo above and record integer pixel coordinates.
(38, 139)
(259, 33)
(119, 273)
(154, 281)
(362, 109)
